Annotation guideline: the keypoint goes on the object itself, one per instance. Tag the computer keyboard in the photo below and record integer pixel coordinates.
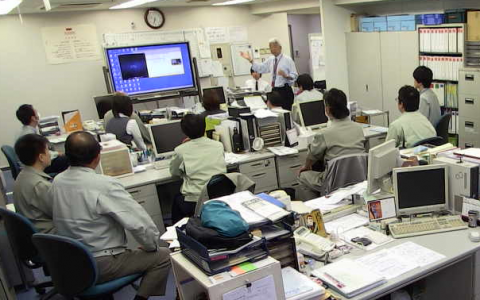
(162, 164)
(426, 226)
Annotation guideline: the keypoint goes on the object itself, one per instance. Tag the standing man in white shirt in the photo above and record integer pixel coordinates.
(96, 210)
(429, 106)
(256, 83)
(283, 70)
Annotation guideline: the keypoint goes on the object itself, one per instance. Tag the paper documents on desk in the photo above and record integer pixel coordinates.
(264, 113)
(282, 150)
(418, 254)
(324, 208)
(340, 194)
(379, 129)
(346, 223)
(372, 112)
(171, 233)
(232, 158)
(387, 264)
(366, 233)
(255, 102)
(265, 209)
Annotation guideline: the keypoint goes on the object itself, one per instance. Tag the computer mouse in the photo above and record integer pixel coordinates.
(474, 236)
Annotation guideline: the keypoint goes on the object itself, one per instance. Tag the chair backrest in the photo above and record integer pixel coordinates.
(19, 231)
(442, 127)
(219, 186)
(436, 141)
(343, 171)
(12, 159)
(71, 265)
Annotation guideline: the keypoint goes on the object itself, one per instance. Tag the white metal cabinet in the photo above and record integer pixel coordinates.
(287, 169)
(469, 108)
(364, 69)
(262, 172)
(147, 197)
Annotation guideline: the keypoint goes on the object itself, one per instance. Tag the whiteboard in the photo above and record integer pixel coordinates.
(317, 56)
(199, 46)
(241, 66)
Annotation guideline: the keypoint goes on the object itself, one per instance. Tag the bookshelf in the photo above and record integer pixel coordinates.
(442, 49)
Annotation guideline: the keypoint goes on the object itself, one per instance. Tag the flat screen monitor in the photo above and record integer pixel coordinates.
(216, 92)
(103, 104)
(137, 70)
(421, 189)
(165, 137)
(312, 113)
(382, 159)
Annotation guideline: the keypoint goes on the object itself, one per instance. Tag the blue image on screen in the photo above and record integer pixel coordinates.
(150, 69)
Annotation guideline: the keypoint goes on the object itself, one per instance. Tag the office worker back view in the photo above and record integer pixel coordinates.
(96, 210)
(281, 67)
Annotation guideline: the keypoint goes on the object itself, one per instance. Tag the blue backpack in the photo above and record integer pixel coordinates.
(226, 221)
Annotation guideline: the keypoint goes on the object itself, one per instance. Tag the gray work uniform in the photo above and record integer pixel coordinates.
(410, 128)
(96, 210)
(196, 161)
(341, 137)
(429, 106)
(31, 198)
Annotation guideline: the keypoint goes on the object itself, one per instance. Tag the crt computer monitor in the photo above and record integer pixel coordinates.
(312, 113)
(382, 159)
(421, 189)
(216, 91)
(165, 137)
(103, 104)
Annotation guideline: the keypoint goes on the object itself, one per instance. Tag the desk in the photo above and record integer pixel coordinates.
(454, 277)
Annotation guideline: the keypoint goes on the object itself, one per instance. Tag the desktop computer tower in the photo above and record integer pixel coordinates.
(249, 128)
(463, 179)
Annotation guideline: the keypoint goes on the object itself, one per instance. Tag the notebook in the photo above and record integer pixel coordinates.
(348, 277)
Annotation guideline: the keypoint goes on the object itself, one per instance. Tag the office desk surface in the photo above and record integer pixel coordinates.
(455, 245)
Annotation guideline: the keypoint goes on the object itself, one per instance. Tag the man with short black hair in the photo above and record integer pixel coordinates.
(195, 161)
(429, 105)
(256, 83)
(30, 190)
(96, 210)
(412, 126)
(306, 91)
(274, 100)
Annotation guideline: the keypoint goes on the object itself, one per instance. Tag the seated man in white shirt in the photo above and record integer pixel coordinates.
(412, 126)
(306, 92)
(96, 210)
(257, 84)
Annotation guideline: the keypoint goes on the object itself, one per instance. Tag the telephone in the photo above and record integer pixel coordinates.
(311, 244)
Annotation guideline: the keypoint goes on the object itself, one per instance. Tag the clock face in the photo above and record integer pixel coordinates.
(154, 18)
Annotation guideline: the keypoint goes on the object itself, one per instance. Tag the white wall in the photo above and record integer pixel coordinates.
(25, 76)
(417, 6)
(302, 25)
(335, 22)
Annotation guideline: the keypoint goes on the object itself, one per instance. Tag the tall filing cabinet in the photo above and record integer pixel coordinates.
(469, 108)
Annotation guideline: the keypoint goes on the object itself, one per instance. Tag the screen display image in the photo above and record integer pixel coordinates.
(150, 69)
(313, 113)
(421, 188)
(216, 92)
(167, 136)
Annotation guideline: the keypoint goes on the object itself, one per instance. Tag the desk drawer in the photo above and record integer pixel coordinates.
(469, 82)
(266, 178)
(150, 204)
(291, 160)
(258, 165)
(143, 191)
(288, 174)
(469, 105)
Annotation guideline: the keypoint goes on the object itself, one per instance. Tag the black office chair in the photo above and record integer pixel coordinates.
(219, 186)
(442, 127)
(12, 159)
(435, 141)
(19, 231)
(74, 270)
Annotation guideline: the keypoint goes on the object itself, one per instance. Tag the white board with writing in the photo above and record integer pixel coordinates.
(317, 56)
(217, 35)
(71, 44)
(241, 66)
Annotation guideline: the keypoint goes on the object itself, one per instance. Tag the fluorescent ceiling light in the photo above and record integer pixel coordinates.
(6, 6)
(232, 2)
(46, 4)
(131, 3)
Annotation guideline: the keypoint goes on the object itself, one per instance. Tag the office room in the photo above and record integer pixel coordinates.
(261, 149)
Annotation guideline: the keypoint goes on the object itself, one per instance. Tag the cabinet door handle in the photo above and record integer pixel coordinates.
(468, 145)
(469, 77)
(141, 202)
(469, 101)
(366, 87)
(259, 175)
(295, 184)
(469, 124)
(256, 165)
(295, 166)
(134, 192)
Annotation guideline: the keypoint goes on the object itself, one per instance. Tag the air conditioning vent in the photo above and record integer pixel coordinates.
(70, 6)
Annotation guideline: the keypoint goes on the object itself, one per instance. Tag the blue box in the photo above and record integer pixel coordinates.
(401, 23)
(433, 19)
(371, 24)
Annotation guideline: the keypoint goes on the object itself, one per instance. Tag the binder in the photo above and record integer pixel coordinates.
(439, 90)
(460, 39)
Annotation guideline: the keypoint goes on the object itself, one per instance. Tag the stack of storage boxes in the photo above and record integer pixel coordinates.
(469, 108)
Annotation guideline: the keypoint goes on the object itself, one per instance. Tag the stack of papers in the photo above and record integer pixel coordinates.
(299, 286)
(232, 158)
(349, 277)
(376, 237)
(282, 150)
(346, 223)
(266, 209)
(171, 234)
(339, 195)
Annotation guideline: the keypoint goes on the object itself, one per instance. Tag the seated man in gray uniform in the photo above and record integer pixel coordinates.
(341, 137)
(96, 210)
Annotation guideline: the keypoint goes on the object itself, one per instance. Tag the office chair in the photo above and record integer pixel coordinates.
(12, 159)
(435, 141)
(442, 127)
(343, 171)
(74, 270)
(19, 231)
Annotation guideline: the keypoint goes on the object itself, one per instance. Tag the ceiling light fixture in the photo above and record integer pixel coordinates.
(131, 3)
(6, 6)
(232, 2)
(46, 4)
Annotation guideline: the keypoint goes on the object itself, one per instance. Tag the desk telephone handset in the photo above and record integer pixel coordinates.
(311, 244)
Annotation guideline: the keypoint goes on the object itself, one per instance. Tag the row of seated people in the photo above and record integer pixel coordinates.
(96, 209)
